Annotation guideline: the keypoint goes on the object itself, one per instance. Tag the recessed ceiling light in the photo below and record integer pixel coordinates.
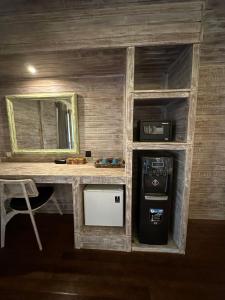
(31, 69)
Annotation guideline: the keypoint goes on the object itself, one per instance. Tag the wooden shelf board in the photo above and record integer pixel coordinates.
(87, 173)
(159, 146)
(102, 230)
(173, 93)
(171, 247)
(104, 238)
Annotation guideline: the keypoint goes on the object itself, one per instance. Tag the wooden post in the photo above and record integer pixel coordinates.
(129, 136)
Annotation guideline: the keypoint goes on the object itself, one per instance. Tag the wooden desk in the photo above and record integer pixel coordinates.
(51, 172)
(76, 175)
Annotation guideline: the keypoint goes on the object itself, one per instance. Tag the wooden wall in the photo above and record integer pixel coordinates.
(59, 25)
(208, 172)
(31, 26)
(100, 110)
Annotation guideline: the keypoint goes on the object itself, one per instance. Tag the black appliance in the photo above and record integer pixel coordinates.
(155, 131)
(155, 199)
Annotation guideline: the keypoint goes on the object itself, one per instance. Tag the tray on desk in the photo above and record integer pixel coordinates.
(100, 163)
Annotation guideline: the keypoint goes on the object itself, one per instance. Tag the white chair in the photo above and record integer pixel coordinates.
(25, 198)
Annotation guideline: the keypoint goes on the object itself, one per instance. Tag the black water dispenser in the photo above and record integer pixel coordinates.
(155, 199)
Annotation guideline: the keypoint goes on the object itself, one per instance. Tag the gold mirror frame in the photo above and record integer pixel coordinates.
(42, 96)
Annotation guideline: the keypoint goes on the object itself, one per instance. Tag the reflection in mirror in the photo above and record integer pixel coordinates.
(43, 122)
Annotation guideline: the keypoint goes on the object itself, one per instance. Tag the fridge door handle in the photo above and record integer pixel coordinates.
(117, 199)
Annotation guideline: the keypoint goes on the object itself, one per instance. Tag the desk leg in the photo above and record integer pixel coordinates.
(76, 211)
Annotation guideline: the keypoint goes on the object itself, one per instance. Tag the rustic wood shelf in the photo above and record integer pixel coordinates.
(170, 94)
(105, 238)
(163, 67)
(161, 94)
(160, 146)
(102, 230)
(163, 109)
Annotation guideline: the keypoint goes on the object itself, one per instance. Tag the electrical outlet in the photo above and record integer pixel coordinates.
(87, 153)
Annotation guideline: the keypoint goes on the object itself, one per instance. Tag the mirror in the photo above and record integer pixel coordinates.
(43, 123)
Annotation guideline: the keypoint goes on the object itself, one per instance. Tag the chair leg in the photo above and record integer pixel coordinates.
(56, 204)
(36, 231)
(3, 225)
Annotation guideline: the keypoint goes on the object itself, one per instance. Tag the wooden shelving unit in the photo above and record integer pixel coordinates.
(176, 98)
(176, 102)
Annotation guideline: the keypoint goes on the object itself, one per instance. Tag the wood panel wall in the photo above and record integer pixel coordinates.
(61, 64)
(131, 22)
(208, 173)
(100, 111)
(87, 24)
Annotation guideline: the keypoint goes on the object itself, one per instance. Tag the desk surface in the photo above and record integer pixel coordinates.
(52, 170)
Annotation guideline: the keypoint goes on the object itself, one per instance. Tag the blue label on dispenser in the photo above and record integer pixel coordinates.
(156, 215)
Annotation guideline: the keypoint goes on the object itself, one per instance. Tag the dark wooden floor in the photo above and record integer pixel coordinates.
(62, 273)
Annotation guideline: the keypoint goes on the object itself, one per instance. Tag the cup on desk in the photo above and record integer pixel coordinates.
(115, 161)
(104, 161)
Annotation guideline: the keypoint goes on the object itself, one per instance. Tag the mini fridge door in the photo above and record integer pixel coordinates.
(103, 207)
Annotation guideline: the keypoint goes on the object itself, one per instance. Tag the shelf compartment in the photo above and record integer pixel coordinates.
(162, 109)
(163, 67)
(179, 205)
(171, 247)
(155, 94)
(99, 237)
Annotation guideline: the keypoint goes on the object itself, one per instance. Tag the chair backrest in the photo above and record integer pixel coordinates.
(17, 188)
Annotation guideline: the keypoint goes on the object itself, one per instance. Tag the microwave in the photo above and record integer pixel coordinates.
(155, 131)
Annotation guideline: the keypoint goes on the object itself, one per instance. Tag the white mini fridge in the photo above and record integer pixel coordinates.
(103, 205)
